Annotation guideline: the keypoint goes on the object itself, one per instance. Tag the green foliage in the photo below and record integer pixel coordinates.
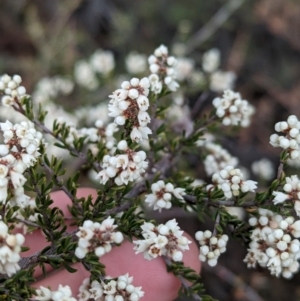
(181, 271)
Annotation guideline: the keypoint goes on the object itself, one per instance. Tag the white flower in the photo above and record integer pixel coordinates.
(130, 103)
(63, 293)
(117, 289)
(162, 65)
(297, 207)
(102, 235)
(11, 89)
(162, 194)
(136, 63)
(290, 138)
(221, 80)
(211, 247)
(179, 192)
(136, 135)
(280, 197)
(169, 241)
(292, 192)
(211, 60)
(124, 167)
(102, 62)
(17, 179)
(85, 75)
(9, 250)
(184, 68)
(217, 157)
(43, 294)
(272, 244)
(263, 169)
(4, 149)
(232, 109)
(230, 180)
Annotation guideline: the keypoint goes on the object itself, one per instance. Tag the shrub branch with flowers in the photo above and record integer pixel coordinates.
(138, 162)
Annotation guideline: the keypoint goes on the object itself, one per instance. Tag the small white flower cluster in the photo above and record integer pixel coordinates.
(291, 192)
(63, 293)
(237, 212)
(198, 79)
(162, 67)
(131, 103)
(85, 72)
(184, 68)
(11, 89)
(217, 158)
(165, 239)
(211, 60)
(49, 88)
(96, 237)
(85, 76)
(161, 195)
(222, 80)
(218, 80)
(295, 163)
(123, 167)
(230, 180)
(273, 243)
(10, 248)
(89, 114)
(264, 169)
(136, 63)
(19, 152)
(232, 109)
(95, 134)
(290, 140)
(120, 289)
(211, 247)
(206, 138)
(179, 117)
(102, 61)
(27, 203)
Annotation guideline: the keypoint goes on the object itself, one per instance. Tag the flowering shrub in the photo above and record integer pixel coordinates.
(137, 163)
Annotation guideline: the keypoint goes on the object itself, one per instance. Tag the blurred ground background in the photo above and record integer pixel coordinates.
(260, 42)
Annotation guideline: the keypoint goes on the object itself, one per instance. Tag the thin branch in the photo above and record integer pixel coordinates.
(198, 104)
(207, 122)
(62, 186)
(134, 192)
(18, 107)
(39, 194)
(228, 203)
(48, 131)
(183, 281)
(228, 276)
(28, 223)
(27, 262)
(161, 166)
(280, 170)
(213, 24)
(217, 222)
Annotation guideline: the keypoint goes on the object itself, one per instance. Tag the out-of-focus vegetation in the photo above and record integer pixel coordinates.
(260, 42)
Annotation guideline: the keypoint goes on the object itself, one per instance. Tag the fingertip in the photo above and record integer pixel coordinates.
(62, 201)
(151, 275)
(191, 256)
(63, 277)
(36, 240)
(83, 192)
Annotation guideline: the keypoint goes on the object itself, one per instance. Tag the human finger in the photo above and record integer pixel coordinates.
(36, 241)
(152, 275)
